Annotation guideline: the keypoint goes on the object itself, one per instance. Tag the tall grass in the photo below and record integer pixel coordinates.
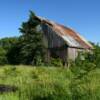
(49, 83)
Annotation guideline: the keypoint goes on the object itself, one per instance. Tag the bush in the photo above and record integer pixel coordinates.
(56, 62)
(3, 58)
(11, 71)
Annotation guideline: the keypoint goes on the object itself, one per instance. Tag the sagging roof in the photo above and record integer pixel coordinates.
(72, 38)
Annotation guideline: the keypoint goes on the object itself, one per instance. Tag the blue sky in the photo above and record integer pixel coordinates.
(81, 15)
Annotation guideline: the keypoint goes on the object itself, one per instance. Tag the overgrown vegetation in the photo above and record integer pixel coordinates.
(49, 83)
(6, 45)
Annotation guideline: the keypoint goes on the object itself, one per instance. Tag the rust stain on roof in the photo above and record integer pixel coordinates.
(72, 38)
(69, 32)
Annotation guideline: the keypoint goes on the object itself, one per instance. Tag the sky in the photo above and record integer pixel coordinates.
(81, 15)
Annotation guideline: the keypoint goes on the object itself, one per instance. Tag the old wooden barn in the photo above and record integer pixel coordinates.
(61, 41)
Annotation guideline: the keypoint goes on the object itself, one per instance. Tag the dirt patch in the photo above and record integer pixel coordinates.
(7, 88)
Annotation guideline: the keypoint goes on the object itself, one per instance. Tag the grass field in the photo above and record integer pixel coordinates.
(48, 83)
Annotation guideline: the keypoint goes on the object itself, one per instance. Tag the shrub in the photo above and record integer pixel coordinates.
(56, 62)
(11, 71)
(3, 58)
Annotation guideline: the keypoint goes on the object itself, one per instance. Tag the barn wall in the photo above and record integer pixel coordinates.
(53, 39)
(59, 52)
(72, 53)
(55, 45)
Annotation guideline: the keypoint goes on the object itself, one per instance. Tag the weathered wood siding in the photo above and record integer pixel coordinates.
(72, 53)
(53, 39)
(56, 45)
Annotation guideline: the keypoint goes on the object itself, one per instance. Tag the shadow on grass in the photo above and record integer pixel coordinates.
(7, 88)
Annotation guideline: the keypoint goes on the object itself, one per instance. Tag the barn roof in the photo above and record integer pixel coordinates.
(72, 38)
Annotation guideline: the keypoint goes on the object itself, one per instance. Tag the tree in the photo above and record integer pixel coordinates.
(97, 55)
(13, 53)
(5, 45)
(3, 58)
(32, 50)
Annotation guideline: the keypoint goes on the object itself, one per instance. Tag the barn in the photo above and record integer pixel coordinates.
(61, 41)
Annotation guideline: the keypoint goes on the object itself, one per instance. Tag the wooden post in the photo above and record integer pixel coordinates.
(47, 56)
(65, 62)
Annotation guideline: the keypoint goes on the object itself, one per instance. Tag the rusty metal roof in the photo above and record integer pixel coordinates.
(72, 38)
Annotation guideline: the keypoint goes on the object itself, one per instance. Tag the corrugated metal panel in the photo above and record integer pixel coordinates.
(71, 41)
(72, 38)
(78, 41)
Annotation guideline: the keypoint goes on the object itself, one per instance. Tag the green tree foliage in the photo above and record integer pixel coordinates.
(13, 53)
(32, 48)
(5, 45)
(3, 58)
(97, 55)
